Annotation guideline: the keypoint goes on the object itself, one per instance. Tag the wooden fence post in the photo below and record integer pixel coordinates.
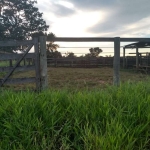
(43, 63)
(137, 57)
(123, 57)
(37, 64)
(116, 63)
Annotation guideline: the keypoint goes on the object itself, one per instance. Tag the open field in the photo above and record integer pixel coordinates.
(110, 119)
(82, 78)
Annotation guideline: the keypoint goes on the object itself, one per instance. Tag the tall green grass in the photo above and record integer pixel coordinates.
(110, 119)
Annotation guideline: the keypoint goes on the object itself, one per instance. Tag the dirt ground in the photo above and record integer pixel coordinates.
(80, 78)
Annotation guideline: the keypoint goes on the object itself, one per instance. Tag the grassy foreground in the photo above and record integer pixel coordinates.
(110, 119)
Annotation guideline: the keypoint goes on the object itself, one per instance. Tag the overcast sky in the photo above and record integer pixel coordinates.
(96, 18)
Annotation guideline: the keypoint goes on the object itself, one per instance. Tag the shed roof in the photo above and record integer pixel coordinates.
(138, 44)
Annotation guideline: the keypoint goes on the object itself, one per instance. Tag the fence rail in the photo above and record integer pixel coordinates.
(16, 43)
(96, 39)
(20, 80)
(80, 62)
(15, 56)
(22, 68)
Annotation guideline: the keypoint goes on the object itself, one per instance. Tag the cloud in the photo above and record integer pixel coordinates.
(97, 17)
(58, 8)
(119, 13)
(93, 4)
(62, 11)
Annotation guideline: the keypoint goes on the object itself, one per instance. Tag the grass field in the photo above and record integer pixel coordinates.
(109, 119)
(81, 78)
(79, 111)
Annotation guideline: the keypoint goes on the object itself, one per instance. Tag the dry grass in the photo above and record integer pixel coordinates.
(91, 78)
(80, 78)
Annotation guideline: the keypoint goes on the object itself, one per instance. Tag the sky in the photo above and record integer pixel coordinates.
(96, 18)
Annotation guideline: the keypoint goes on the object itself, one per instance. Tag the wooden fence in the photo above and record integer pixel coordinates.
(41, 59)
(80, 62)
(130, 61)
(115, 40)
(36, 58)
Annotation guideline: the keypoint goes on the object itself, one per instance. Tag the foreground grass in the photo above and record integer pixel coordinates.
(110, 119)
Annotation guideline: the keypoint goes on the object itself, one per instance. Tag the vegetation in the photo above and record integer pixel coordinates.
(94, 52)
(19, 19)
(51, 48)
(70, 55)
(110, 119)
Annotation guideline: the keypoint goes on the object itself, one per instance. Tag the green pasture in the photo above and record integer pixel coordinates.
(114, 118)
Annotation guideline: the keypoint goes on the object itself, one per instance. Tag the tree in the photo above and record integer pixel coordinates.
(54, 54)
(95, 51)
(70, 55)
(88, 55)
(52, 48)
(19, 19)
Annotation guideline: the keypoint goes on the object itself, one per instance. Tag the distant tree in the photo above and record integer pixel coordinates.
(88, 55)
(107, 55)
(95, 51)
(52, 48)
(81, 56)
(19, 19)
(70, 55)
(54, 54)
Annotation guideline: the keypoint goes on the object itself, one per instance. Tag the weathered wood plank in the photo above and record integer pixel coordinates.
(22, 68)
(73, 59)
(137, 58)
(124, 50)
(16, 43)
(19, 80)
(116, 63)
(43, 63)
(15, 56)
(135, 39)
(139, 53)
(96, 39)
(81, 39)
(135, 47)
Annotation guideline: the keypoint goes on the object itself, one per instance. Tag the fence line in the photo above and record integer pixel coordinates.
(41, 61)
